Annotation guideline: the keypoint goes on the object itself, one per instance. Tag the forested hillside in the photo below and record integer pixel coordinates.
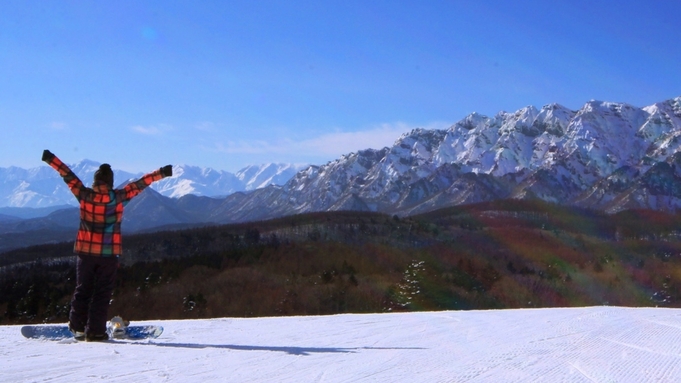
(503, 254)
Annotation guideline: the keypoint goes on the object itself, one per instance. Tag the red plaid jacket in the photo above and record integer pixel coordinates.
(101, 210)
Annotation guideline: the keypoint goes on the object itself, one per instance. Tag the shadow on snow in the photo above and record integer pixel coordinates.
(288, 350)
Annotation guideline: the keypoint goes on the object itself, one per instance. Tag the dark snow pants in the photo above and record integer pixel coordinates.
(95, 281)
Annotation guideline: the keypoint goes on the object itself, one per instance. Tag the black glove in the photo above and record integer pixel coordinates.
(47, 155)
(167, 171)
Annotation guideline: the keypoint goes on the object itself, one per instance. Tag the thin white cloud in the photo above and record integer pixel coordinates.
(329, 144)
(338, 143)
(246, 147)
(153, 130)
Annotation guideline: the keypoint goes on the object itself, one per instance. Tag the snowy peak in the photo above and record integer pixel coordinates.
(198, 181)
(663, 117)
(472, 121)
(554, 119)
(85, 166)
(259, 176)
(521, 121)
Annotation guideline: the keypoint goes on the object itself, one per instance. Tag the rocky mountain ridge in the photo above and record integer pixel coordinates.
(607, 156)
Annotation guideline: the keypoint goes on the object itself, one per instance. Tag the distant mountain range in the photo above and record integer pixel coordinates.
(607, 156)
(41, 187)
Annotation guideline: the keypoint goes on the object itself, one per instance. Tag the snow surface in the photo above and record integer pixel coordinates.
(593, 344)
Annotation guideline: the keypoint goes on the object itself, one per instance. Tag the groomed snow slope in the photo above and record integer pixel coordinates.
(595, 344)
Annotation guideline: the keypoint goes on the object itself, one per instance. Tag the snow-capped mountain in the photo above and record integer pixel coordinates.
(198, 181)
(606, 155)
(256, 177)
(42, 187)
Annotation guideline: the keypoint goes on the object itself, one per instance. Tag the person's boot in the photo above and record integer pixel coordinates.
(90, 337)
(77, 335)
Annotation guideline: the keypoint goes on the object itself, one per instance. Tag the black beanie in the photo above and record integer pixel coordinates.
(105, 174)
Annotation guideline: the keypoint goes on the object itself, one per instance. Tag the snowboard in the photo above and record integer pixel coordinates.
(61, 332)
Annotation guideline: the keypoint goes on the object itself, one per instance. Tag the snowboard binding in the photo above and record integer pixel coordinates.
(118, 327)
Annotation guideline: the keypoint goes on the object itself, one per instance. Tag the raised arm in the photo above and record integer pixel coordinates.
(134, 188)
(71, 179)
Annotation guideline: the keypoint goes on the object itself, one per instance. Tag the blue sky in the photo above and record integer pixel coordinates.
(225, 84)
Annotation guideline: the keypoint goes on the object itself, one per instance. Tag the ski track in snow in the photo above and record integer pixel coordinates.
(593, 344)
